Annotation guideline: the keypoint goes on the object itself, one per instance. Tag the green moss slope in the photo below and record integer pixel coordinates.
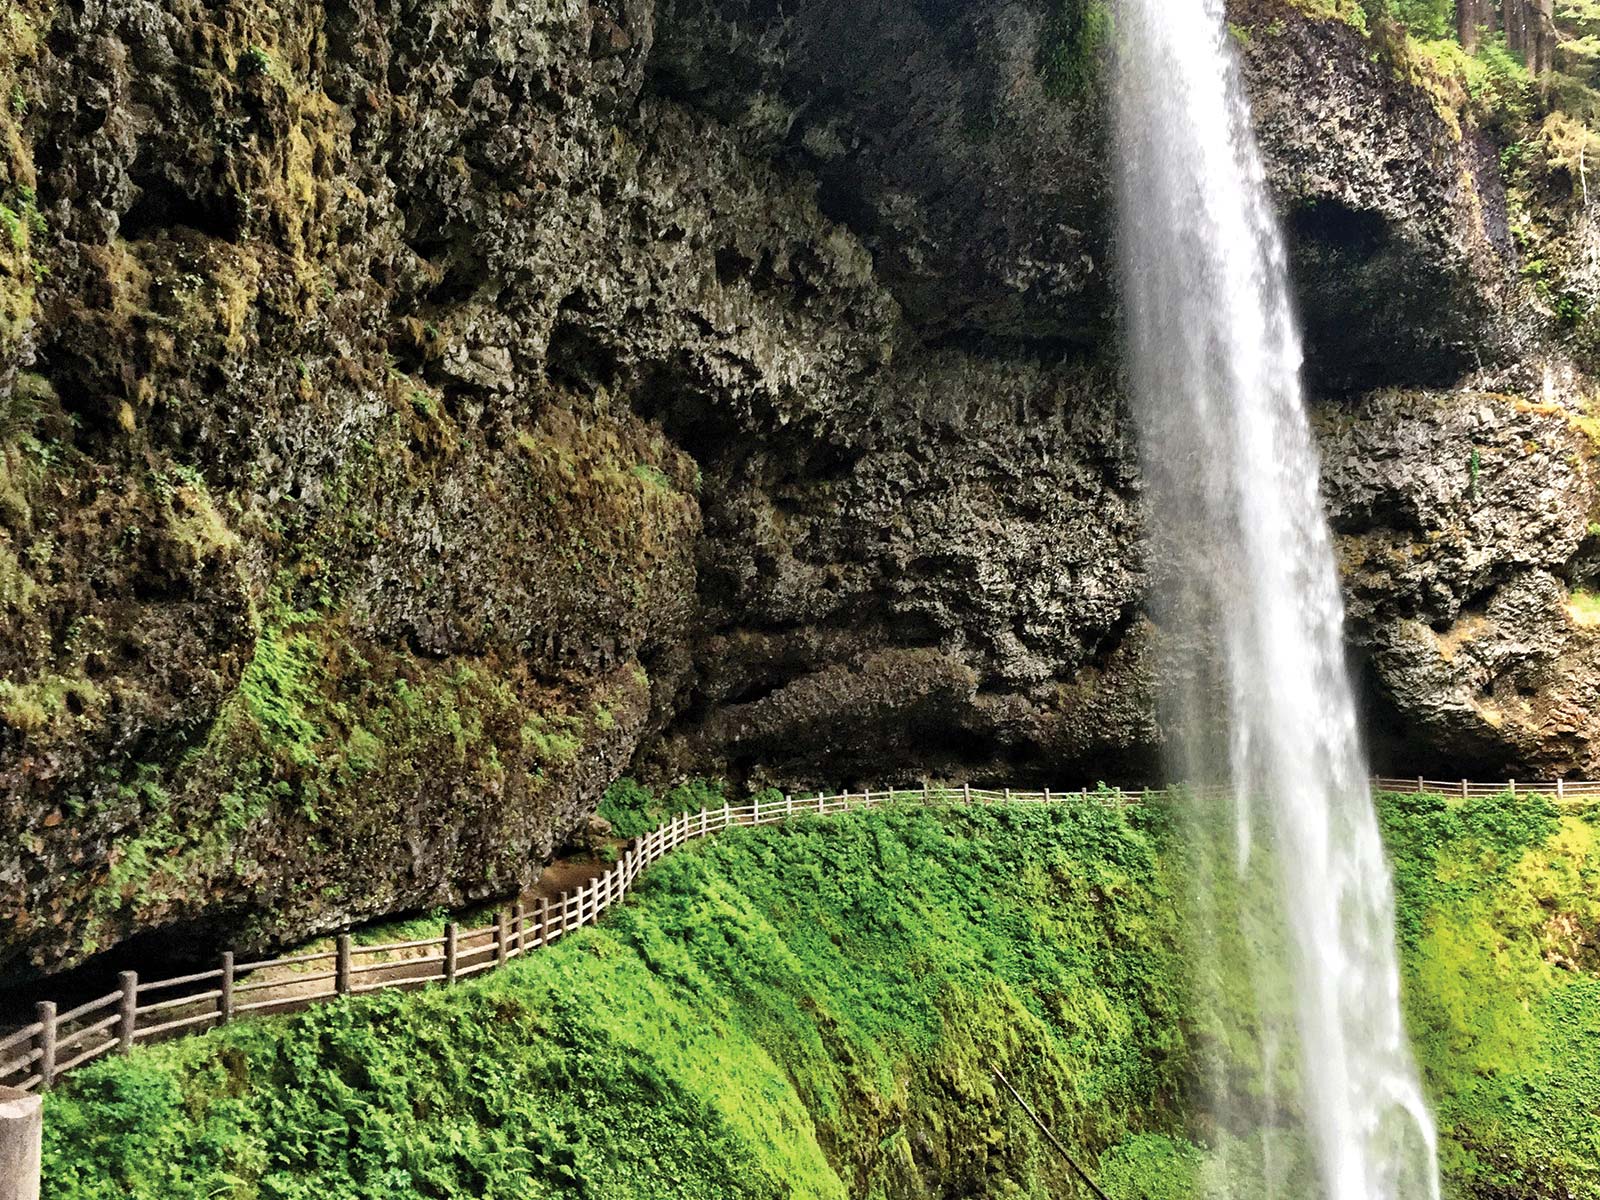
(813, 1011)
(1500, 933)
(809, 1011)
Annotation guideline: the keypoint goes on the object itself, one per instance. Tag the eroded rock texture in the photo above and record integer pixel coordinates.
(416, 414)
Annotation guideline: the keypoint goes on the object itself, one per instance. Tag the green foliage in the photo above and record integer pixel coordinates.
(633, 809)
(812, 1010)
(1585, 605)
(281, 686)
(21, 406)
(1351, 12)
(1423, 18)
(257, 60)
(1498, 898)
(554, 738)
(786, 1013)
(629, 806)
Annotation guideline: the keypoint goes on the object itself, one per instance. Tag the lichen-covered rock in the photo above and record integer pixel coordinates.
(934, 133)
(324, 597)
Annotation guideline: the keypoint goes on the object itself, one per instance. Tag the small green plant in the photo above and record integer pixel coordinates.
(628, 805)
(11, 224)
(633, 809)
(653, 476)
(21, 407)
(256, 61)
(554, 738)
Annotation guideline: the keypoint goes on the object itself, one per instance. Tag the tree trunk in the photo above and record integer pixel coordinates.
(1544, 36)
(1469, 17)
(1511, 17)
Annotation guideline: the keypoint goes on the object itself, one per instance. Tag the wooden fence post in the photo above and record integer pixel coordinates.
(44, 1012)
(966, 793)
(1513, 786)
(449, 951)
(500, 947)
(21, 1144)
(705, 821)
(788, 805)
(128, 1010)
(518, 915)
(1561, 791)
(820, 802)
(1463, 789)
(225, 1001)
(544, 916)
(341, 965)
(1047, 795)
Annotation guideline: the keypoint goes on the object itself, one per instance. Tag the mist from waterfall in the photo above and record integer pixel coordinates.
(1309, 1064)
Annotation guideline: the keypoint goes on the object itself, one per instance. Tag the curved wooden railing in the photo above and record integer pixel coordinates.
(36, 1055)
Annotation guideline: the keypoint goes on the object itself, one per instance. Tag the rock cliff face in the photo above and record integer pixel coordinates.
(412, 417)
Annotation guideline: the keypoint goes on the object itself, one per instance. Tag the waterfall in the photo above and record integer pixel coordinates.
(1258, 696)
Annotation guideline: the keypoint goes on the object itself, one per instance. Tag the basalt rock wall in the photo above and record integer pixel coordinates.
(415, 416)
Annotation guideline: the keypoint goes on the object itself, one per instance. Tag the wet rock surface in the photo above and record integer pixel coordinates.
(415, 419)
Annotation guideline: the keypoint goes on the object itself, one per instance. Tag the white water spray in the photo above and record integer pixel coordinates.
(1252, 593)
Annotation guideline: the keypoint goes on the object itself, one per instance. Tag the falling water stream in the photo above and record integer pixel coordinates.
(1260, 699)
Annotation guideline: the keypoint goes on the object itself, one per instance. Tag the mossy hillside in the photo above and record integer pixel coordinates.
(816, 1006)
(1499, 903)
(805, 1011)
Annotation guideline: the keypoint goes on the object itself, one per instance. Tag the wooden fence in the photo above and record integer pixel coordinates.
(1559, 789)
(36, 1055)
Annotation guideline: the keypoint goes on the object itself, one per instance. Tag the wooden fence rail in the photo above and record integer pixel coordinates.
(34, 1056)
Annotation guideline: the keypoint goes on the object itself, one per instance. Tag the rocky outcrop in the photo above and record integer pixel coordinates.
(1392, 202)
(953, 592)
(933, 132)
(1468, 549)
(414, 418)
